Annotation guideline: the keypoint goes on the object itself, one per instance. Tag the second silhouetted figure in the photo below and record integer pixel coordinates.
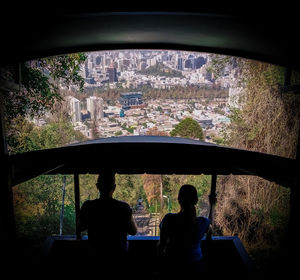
(180, 238)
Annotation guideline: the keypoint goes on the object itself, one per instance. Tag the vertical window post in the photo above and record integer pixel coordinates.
(212, 202)
(61, 220)
(77, 203)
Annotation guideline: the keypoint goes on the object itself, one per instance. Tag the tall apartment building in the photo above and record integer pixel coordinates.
(179, 65)
(74, 109)
(112, 74)
(95, 106)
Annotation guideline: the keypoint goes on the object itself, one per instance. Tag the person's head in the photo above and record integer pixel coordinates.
(187, 196)
(106, 183)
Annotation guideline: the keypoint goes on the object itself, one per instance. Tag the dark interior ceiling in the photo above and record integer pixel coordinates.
(253, 32)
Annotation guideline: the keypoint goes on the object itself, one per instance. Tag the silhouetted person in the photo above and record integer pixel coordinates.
(108, 222)
(180, 238)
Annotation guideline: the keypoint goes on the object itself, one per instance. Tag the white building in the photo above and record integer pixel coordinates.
(74, 109)
(95, 107)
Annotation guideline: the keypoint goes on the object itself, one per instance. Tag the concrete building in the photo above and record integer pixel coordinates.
(74, 109)
(95, 107)
(112, 74)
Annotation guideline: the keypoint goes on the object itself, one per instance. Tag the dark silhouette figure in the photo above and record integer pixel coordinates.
(108, 222)
(179, 247)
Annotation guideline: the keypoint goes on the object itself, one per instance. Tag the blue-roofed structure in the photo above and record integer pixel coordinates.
(131, 100)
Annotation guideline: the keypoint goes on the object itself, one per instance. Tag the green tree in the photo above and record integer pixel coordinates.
(129, 188)
(188, 128)
(37, 202)
(24, 136)
(37, 207)
(153, 183)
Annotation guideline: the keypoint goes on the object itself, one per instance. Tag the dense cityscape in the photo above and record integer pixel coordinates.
(132, 114)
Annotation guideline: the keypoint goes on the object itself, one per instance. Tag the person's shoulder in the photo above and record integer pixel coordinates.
(91, 202)
(165, 220)
(87, 205)
(169, 216)
(203, 220)
(121, 204)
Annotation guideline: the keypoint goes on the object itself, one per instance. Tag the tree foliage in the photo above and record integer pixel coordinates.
(39, 82)
(38, 202)
(24, 136)
(152, 183)
(188, 128)
(265, 120)
(129, 188)
(37, 207)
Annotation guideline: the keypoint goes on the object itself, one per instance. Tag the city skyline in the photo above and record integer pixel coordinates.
(127, 71)
(126, 67)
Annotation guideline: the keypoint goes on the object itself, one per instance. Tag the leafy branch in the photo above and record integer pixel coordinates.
(39, 88)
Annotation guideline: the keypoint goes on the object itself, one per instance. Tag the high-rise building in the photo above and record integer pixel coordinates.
(199, 62)
(74, 109)
(179, 63)
(95, 107)
(98, 60)
(112, 74)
